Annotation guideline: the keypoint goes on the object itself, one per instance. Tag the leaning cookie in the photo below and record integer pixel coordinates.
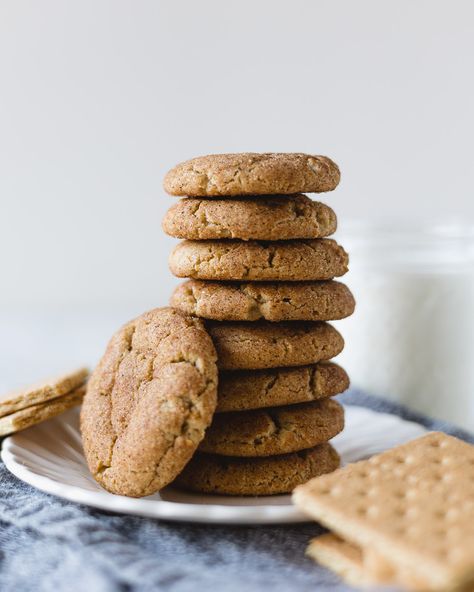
(264, 218)
(299, 260)
(250, 173)
(256, 389)
(148, 402)
(276, 430)
(271, 475)
(278, 301)
(30, 416)
(262, 344)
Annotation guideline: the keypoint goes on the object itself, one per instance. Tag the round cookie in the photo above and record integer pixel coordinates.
(276, 430)
(305, 260)
(264, 218)
(251, 173)
(279, 301)
(256, 389)
(148, 402)
(261, 344)
(272, 475)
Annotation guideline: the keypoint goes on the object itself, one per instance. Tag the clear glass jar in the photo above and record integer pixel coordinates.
(411, 338)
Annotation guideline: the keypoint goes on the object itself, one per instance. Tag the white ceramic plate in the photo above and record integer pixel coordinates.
(49, 457)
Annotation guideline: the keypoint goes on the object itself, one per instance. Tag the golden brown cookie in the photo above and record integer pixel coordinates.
(43, 391)
(279, 301)
(256, 389)
(319, 259)
(263, 218)
(252, 173)
(271, 475)
(148, 402)
(276, 430)
(262, 344)
(30, 416)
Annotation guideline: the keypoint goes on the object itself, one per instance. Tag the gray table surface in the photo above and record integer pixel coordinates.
(49, 544)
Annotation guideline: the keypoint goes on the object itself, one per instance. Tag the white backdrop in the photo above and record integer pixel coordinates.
(99, 98)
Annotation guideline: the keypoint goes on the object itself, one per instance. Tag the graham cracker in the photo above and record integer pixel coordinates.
(341, 557)
(25, 418)
(43, 391)
(409, 511)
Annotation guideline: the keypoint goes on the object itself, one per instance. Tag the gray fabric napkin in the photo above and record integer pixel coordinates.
(49, 544)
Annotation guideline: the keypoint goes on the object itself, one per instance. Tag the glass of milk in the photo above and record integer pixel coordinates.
(411, 338)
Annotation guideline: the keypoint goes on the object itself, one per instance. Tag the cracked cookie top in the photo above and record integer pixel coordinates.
(250, 173)
(276, 430)
(298, 260)
(269, 475)
(264, 218)
(256, 389)
(243, 345)
(252, 301)
(148, 402)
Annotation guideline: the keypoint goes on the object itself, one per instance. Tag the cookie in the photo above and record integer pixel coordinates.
(257, 389)
(262, 344)
(271, 475)
(409, 511)
(279, 301)
(276, 430)
(264, 218)
(252, 173)
(148, 402)
(319, 259)
(43, 391)
(34, 414)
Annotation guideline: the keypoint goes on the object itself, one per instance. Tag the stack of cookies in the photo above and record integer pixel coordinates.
(261, 272)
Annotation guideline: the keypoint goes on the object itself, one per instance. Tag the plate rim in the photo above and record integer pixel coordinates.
(162, 509)
(158, 508)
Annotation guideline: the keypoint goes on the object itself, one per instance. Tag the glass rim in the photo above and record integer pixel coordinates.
(421, 246)
(385, 227)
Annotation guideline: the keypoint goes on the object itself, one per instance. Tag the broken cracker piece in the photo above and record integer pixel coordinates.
(25, 418)
(341, 557)
(43, 391)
